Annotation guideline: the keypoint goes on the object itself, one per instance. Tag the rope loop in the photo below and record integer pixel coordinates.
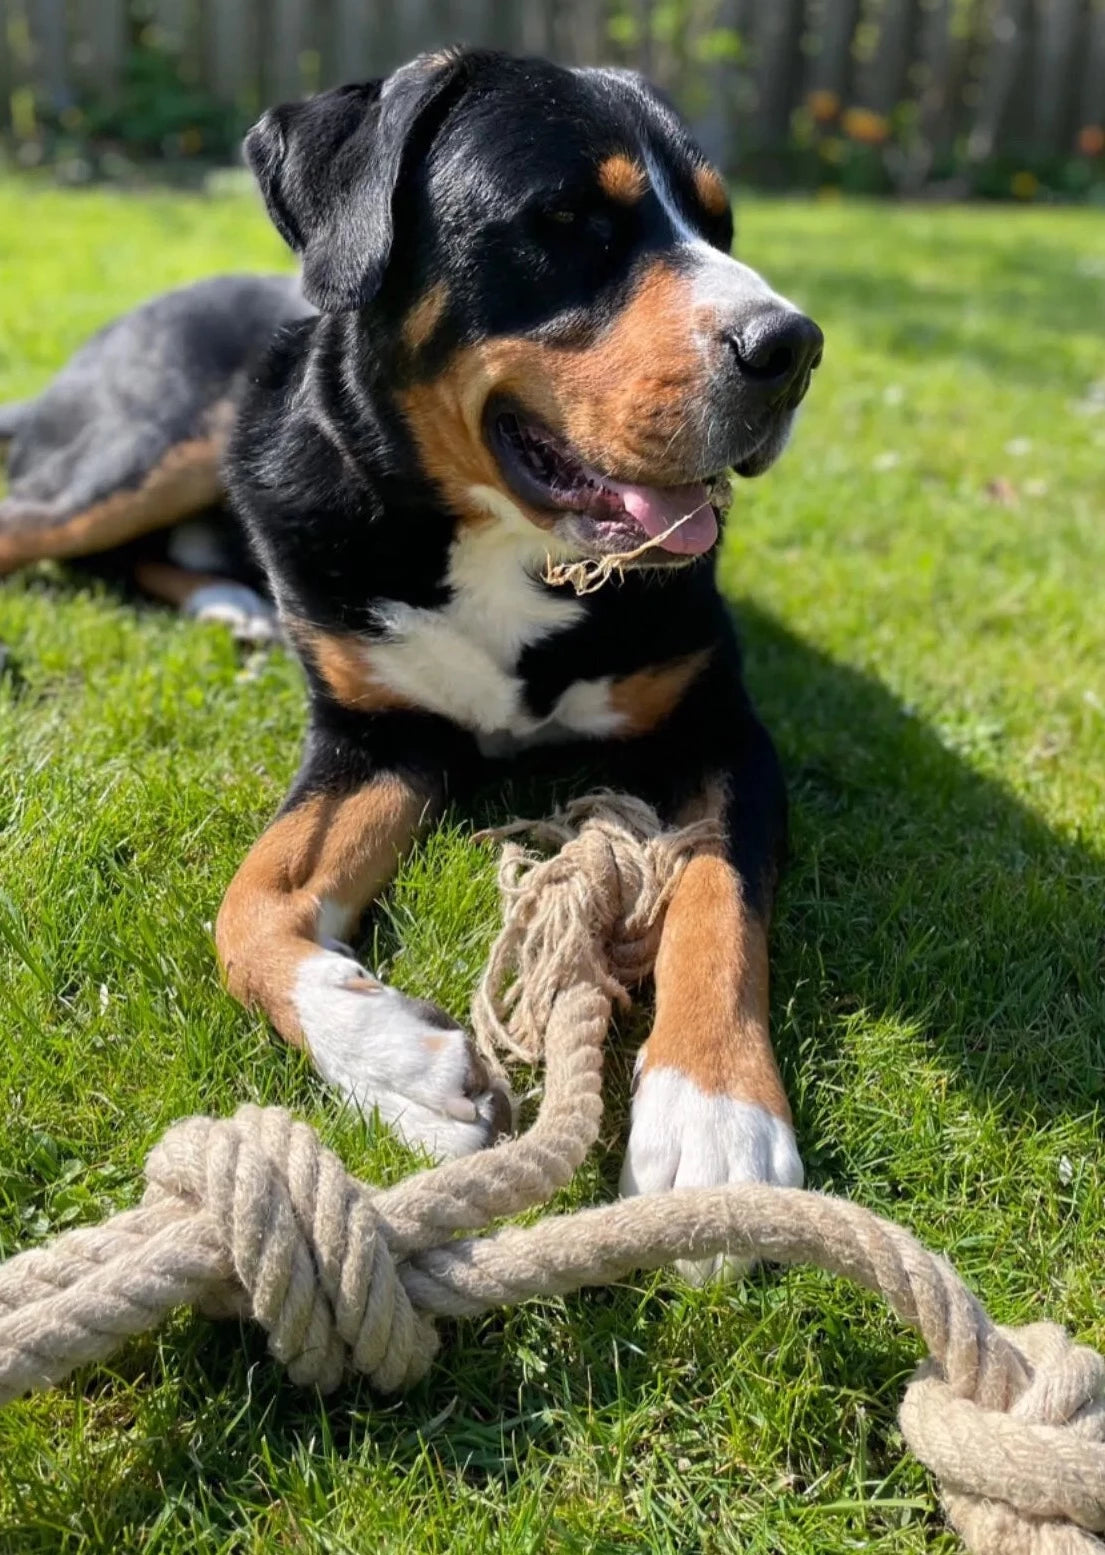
(1027, 1479)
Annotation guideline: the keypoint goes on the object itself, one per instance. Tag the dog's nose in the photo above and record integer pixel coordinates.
(777, 350)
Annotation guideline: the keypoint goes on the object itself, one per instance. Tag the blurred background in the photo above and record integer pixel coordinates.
(952, 98)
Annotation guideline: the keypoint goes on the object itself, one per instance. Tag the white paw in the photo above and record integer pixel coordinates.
(683, 1137)
(403, 1058)
(250, 618)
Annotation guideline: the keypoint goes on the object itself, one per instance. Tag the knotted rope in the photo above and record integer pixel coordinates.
(253, 1214)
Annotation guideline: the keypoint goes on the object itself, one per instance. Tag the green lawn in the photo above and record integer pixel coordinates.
(931, 660)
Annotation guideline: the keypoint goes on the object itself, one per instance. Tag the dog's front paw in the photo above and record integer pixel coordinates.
(683, 1137)
(403, 1058)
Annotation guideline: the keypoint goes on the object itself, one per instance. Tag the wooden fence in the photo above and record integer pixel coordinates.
(916, 77)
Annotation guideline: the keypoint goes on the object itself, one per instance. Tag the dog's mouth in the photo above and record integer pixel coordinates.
(607, 516)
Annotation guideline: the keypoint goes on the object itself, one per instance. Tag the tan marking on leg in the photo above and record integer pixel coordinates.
(645, 698)
(425, 316)
(340, 848)
(172, 585)
(708, 805)
(186, 480)
(345, 664)
(623, 401)
(712, 990)
(710, 189)
(623, 178)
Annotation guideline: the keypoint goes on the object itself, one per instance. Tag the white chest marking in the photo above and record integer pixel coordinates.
(462, 660)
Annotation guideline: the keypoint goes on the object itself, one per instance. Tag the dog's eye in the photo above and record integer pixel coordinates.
(584, 221)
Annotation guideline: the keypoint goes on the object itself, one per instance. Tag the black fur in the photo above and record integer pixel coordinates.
(453, 180)
(329, 170)
(471, 175)
(12, 417)
(141, 386)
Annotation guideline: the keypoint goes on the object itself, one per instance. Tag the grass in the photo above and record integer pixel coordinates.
(929, 657)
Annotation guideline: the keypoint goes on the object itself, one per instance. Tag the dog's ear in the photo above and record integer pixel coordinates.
(329, 169)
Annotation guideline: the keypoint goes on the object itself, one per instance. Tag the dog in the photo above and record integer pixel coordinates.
(519, 343)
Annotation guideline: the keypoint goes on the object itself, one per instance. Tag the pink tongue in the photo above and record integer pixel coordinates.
(657, 508)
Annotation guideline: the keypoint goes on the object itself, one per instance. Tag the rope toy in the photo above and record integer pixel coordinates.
(252, 1215)
(587, 577)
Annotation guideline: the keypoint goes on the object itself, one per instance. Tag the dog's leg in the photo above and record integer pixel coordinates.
(207, 596)
(280, 936)
(709, 1105)
(75, 506)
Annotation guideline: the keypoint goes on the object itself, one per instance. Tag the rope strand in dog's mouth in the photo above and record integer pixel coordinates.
(589, 575)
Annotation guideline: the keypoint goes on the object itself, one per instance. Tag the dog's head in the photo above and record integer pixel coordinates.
(541, 260)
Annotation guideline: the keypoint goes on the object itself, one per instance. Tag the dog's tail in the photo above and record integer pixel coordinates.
(12, 417)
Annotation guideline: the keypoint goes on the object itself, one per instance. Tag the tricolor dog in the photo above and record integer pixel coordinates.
(518, 341)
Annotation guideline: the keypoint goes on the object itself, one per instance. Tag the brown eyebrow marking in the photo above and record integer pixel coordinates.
(710, 188)
(425, 316)
(622, 178)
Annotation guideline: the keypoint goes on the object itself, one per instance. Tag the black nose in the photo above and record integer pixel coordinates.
(777, 350)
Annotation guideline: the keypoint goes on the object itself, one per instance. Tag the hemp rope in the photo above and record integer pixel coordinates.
(252, 1214)
(587, 577)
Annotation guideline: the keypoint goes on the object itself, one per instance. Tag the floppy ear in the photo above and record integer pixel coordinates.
(329, 168)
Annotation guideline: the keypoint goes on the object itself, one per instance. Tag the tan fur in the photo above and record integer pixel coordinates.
(623, 179)
(345, 664)
(186, 480)
(711, 975)
(340, 849)
(647, 697)
(425, 316)
(445, 419)
(710, 189)
(173, 585)
(359, 984)
(625, 402)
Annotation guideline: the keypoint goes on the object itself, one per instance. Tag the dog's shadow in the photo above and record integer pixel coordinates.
(925, 896)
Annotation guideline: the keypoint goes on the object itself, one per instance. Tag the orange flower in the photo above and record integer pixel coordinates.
(824, 106)
(1091, 140)
(866, 126)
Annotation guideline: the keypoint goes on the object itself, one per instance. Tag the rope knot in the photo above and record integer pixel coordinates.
(1021, 1463)
(303, 1249)
(592, 911)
